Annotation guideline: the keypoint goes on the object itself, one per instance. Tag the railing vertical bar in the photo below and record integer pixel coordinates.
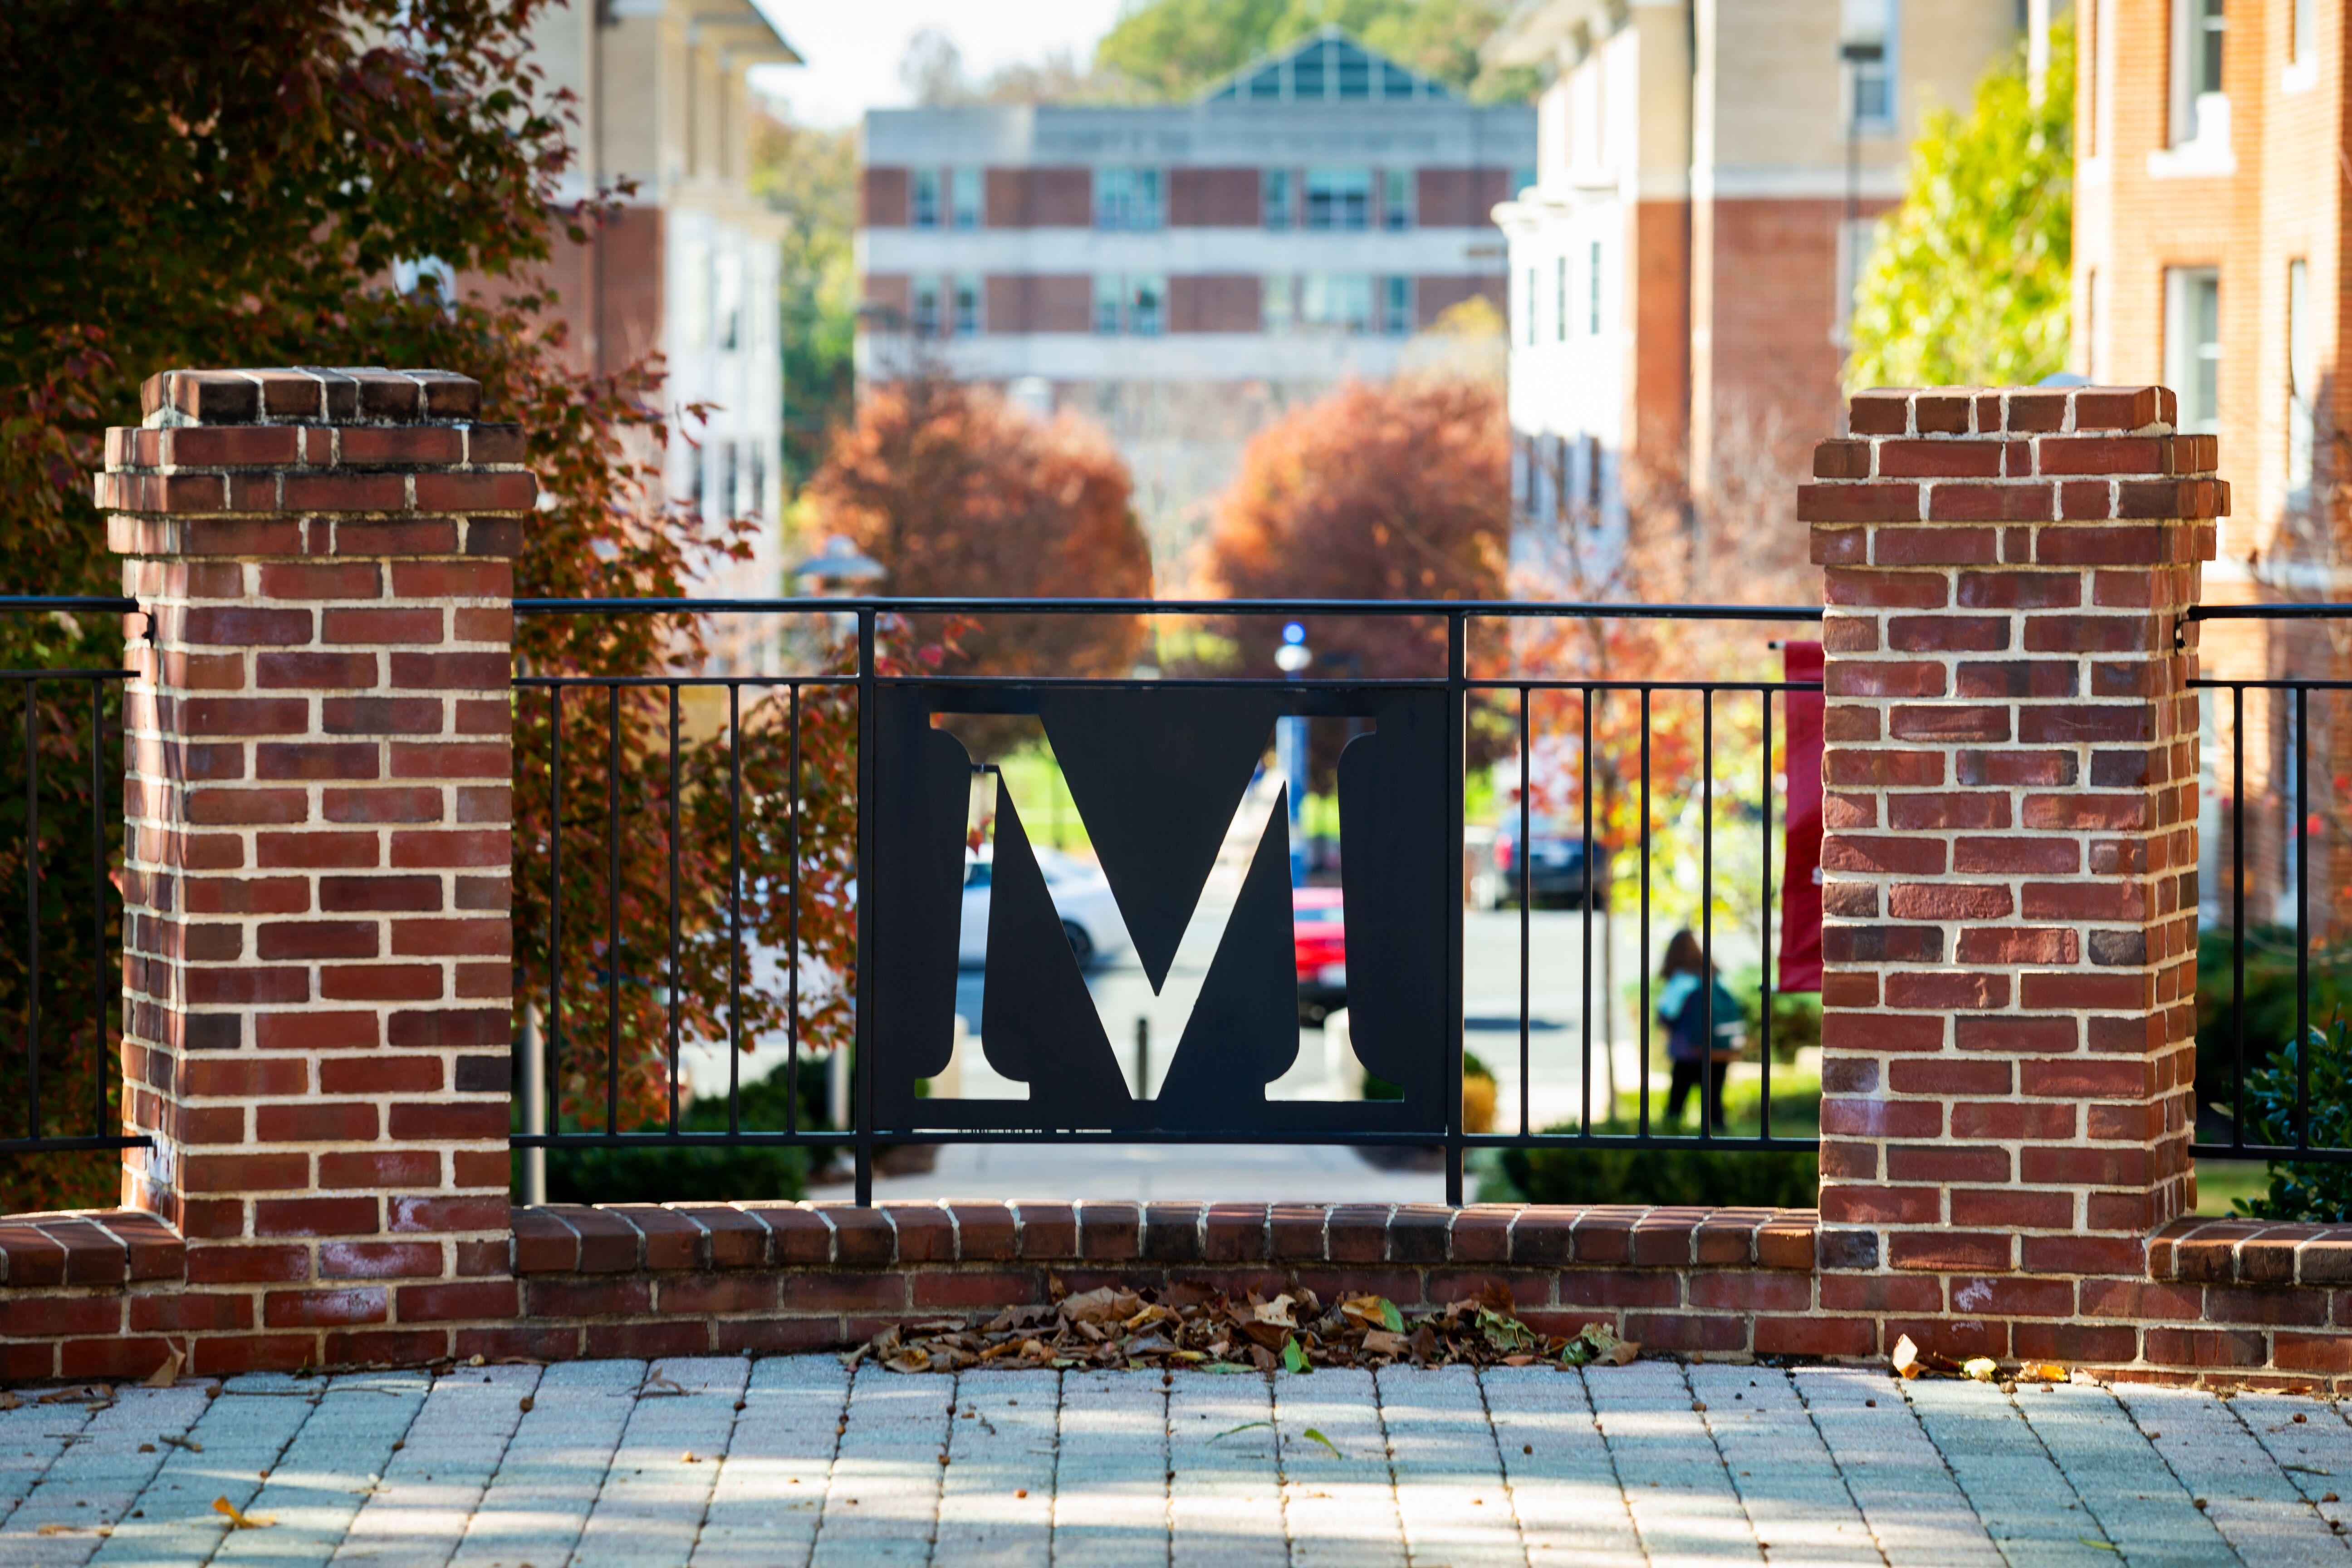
(862, 1112)
(1706, 914)
(99, 997)
(673, 967)
(611, 909)
(1642, 1038)
(793, 922)
(1765, 965)
(2238, 915)
(2302, 917)
(32, 908)
(553, 1042)
(1584, 1006)
(734, 906)
(1457, 698)
(1521, 865)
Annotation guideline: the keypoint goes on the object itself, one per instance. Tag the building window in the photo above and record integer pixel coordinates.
(1396, 306)
(967, 306)
(1560, 301)
(1340, 198)
(1338, 301)
(2301, 380)
(1528, 306)
(1592, 290)
(1396, 199)
(2192, 345)
(1277, 306)
(1128, 199)
(964, 186)
(757, 504)
(1276, 199)
(1592, 477)
(1132, 304)
(927, 308)
(2303, 38)
(2201, 114)
(1866, 44)
(924, 203)
(1147, 306)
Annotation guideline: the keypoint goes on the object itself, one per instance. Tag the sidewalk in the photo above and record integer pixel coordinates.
(790, 1461)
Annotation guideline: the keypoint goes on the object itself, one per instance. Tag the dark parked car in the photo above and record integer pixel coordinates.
(1554, 863)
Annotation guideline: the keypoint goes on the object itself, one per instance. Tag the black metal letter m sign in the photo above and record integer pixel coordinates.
(1157, 772)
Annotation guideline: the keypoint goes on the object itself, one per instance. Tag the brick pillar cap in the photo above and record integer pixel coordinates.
(2011, 410)
(309, 395)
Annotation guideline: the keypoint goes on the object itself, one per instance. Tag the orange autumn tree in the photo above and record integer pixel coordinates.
(958, 492)
(1398, 490)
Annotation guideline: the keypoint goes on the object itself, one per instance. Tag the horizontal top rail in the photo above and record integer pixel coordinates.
(1485, 607)
(2269, 611)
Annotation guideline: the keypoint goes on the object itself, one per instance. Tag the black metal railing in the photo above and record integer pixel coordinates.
(640, 959)
(60, 967)
(2247, 1044)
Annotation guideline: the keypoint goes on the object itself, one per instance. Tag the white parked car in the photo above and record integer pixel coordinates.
(1082, 897)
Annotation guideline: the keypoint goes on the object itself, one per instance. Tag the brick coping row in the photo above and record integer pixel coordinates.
(116, 1247)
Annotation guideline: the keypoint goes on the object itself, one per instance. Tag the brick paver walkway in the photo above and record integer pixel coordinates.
(792, 1461)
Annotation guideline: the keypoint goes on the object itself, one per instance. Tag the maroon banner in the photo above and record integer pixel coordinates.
(1800, 868)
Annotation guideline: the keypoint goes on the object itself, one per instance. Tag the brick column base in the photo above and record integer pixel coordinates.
(2010, 858)
(317, 857)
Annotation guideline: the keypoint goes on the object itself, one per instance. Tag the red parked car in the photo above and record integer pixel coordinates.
(1318, 942)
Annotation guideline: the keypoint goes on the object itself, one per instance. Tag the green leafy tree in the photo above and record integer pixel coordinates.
(810, 174)
(1970, 283)
(1173, 48)
(234, 183)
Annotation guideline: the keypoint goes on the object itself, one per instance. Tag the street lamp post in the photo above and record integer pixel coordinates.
(1290, 748)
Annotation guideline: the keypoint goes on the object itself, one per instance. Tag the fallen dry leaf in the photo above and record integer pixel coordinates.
(240, 1520)
(1982, 1368)
(2042, 1371)
(167, 1375)
(1906, 1357)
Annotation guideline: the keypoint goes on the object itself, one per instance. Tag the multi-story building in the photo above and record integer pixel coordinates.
(687, 268)
(1184, 272)
(1682, 270)
(2211, 212)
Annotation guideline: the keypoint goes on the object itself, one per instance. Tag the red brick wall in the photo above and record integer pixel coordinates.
(1459, 198)
(1029, 302)
(1658, 417)
(1434, 296)
(1213, 199)
(318, 850)
(882, 198)
(1213, 303)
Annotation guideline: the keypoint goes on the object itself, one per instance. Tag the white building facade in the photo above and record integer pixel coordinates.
(688, 266)
(1185, 273)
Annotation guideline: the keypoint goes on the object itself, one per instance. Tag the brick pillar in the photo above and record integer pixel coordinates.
(317, 866)
(2011, 860)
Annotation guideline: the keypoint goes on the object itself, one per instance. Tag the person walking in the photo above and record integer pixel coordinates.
(1688, 987)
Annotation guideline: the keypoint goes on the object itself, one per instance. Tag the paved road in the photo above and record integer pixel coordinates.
(789, 1461)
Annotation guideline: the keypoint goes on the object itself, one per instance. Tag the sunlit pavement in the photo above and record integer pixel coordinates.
(793, 1461)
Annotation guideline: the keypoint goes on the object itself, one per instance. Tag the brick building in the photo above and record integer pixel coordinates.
(2210, 222)
(1681, 271)
(1184, 272)
(689, 267)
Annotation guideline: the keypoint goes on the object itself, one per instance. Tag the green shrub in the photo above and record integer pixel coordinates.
(1796, 1015)
(2307, 1192)
(1712, 1178)
(2269, 1005)
(685, 1175)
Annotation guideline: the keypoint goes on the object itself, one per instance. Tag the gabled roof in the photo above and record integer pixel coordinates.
(1327, 66)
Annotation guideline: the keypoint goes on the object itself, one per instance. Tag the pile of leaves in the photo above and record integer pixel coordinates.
(1191, 1325)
